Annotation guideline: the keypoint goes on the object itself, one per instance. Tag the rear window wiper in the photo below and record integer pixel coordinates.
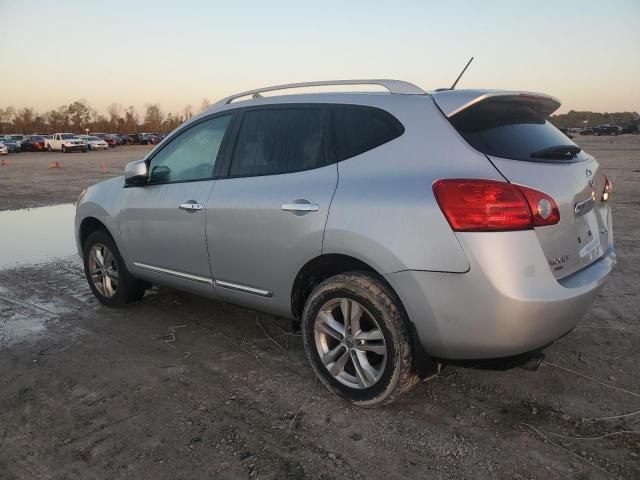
(559, 151)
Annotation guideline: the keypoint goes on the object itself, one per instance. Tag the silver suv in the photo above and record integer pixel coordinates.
(398, 228)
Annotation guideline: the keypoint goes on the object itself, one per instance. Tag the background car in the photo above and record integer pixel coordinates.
(607, 130)
(566, 132)
(148, 139)
(33, 143)
(117, 139)
(12, 145)
(17, 138)
(586, 131)
(93, 142)
(107, 138)
(126, 139)
(3, 148)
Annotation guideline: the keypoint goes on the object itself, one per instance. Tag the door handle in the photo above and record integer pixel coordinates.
(191, 206)
(300, 207)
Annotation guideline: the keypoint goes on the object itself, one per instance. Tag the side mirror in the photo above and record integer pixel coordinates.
(136, 173)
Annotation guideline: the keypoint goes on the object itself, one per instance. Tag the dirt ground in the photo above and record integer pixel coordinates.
(88, 392)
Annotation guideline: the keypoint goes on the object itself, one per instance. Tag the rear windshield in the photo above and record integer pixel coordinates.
(510, 130)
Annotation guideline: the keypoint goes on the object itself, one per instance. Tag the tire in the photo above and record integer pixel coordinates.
(127, 288)
(380, 378)
(64, 150)
(85, 150)
(49, 149)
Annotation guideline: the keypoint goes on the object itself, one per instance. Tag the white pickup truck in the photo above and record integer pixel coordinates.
(65, 142)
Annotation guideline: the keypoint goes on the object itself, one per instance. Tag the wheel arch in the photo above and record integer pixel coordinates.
(324, 266)
(90, 225)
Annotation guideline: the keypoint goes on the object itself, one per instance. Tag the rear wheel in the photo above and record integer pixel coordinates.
(356, 338)
(108, 277)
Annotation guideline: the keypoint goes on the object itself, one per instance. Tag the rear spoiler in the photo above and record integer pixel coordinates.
(452, 102)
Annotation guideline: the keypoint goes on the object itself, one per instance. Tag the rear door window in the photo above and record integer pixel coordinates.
(278, 140)
(357, 129)
(514, 131)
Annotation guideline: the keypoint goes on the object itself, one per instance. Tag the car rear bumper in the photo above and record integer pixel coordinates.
(508, 303)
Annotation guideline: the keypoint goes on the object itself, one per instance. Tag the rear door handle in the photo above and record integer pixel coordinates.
(191, 206)
(300, 207)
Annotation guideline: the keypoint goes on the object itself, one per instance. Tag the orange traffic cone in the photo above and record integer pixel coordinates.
(54, 165)
(104, 168)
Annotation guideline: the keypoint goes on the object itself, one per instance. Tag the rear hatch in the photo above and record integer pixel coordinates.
(511, 129)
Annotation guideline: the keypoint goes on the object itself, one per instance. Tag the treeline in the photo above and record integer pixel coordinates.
(574, 119)
(79, 116)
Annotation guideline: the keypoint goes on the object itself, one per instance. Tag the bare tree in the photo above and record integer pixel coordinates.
(24, 120)
(172, 122)
(6, 114)
(131, 119)
(204, 105)
(187, 112)
(115, 113)
(153, 117)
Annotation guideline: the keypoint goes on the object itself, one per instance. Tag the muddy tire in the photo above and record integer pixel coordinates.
(367, 359)
(107, 274)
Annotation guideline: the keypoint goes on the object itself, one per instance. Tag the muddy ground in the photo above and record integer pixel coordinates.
(88, 392)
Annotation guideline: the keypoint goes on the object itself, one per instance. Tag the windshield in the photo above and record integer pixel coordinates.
(93, 139)
(17, 137)
(515, 131)
(67, 136)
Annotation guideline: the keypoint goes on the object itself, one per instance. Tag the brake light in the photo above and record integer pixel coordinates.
(489, 205)
(607, 189)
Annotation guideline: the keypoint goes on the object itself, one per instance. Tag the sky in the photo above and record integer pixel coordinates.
(586, 52)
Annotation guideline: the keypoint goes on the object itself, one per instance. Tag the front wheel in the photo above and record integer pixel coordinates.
(357, 340)
(107, 274)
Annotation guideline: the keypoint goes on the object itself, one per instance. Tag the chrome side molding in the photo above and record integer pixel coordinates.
(242, 288)
(173, 273)
(209, 281)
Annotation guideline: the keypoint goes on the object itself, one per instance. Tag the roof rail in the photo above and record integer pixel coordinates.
(394, 86)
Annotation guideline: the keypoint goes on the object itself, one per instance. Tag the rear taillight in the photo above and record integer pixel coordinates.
(607, 189)
(489, 205)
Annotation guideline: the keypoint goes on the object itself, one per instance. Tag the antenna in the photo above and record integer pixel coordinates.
(461, 73)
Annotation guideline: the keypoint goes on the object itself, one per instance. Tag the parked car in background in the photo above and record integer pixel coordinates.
(148, 139)
(607, 130)
(107, 138)
(117, 138)
(93, 142)
(631, 129)
(566, 132)
(387, 253)
(586, 131)
(3, 148)
(11, 144)
(33, 143)
(17, 138)
(135, 138)
(65, 142)
(126, 139)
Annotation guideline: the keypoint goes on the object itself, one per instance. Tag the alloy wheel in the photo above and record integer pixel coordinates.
(103, 270)
(350, 343)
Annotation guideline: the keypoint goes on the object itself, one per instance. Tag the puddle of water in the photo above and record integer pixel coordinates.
(36, 235)
(20, 328)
